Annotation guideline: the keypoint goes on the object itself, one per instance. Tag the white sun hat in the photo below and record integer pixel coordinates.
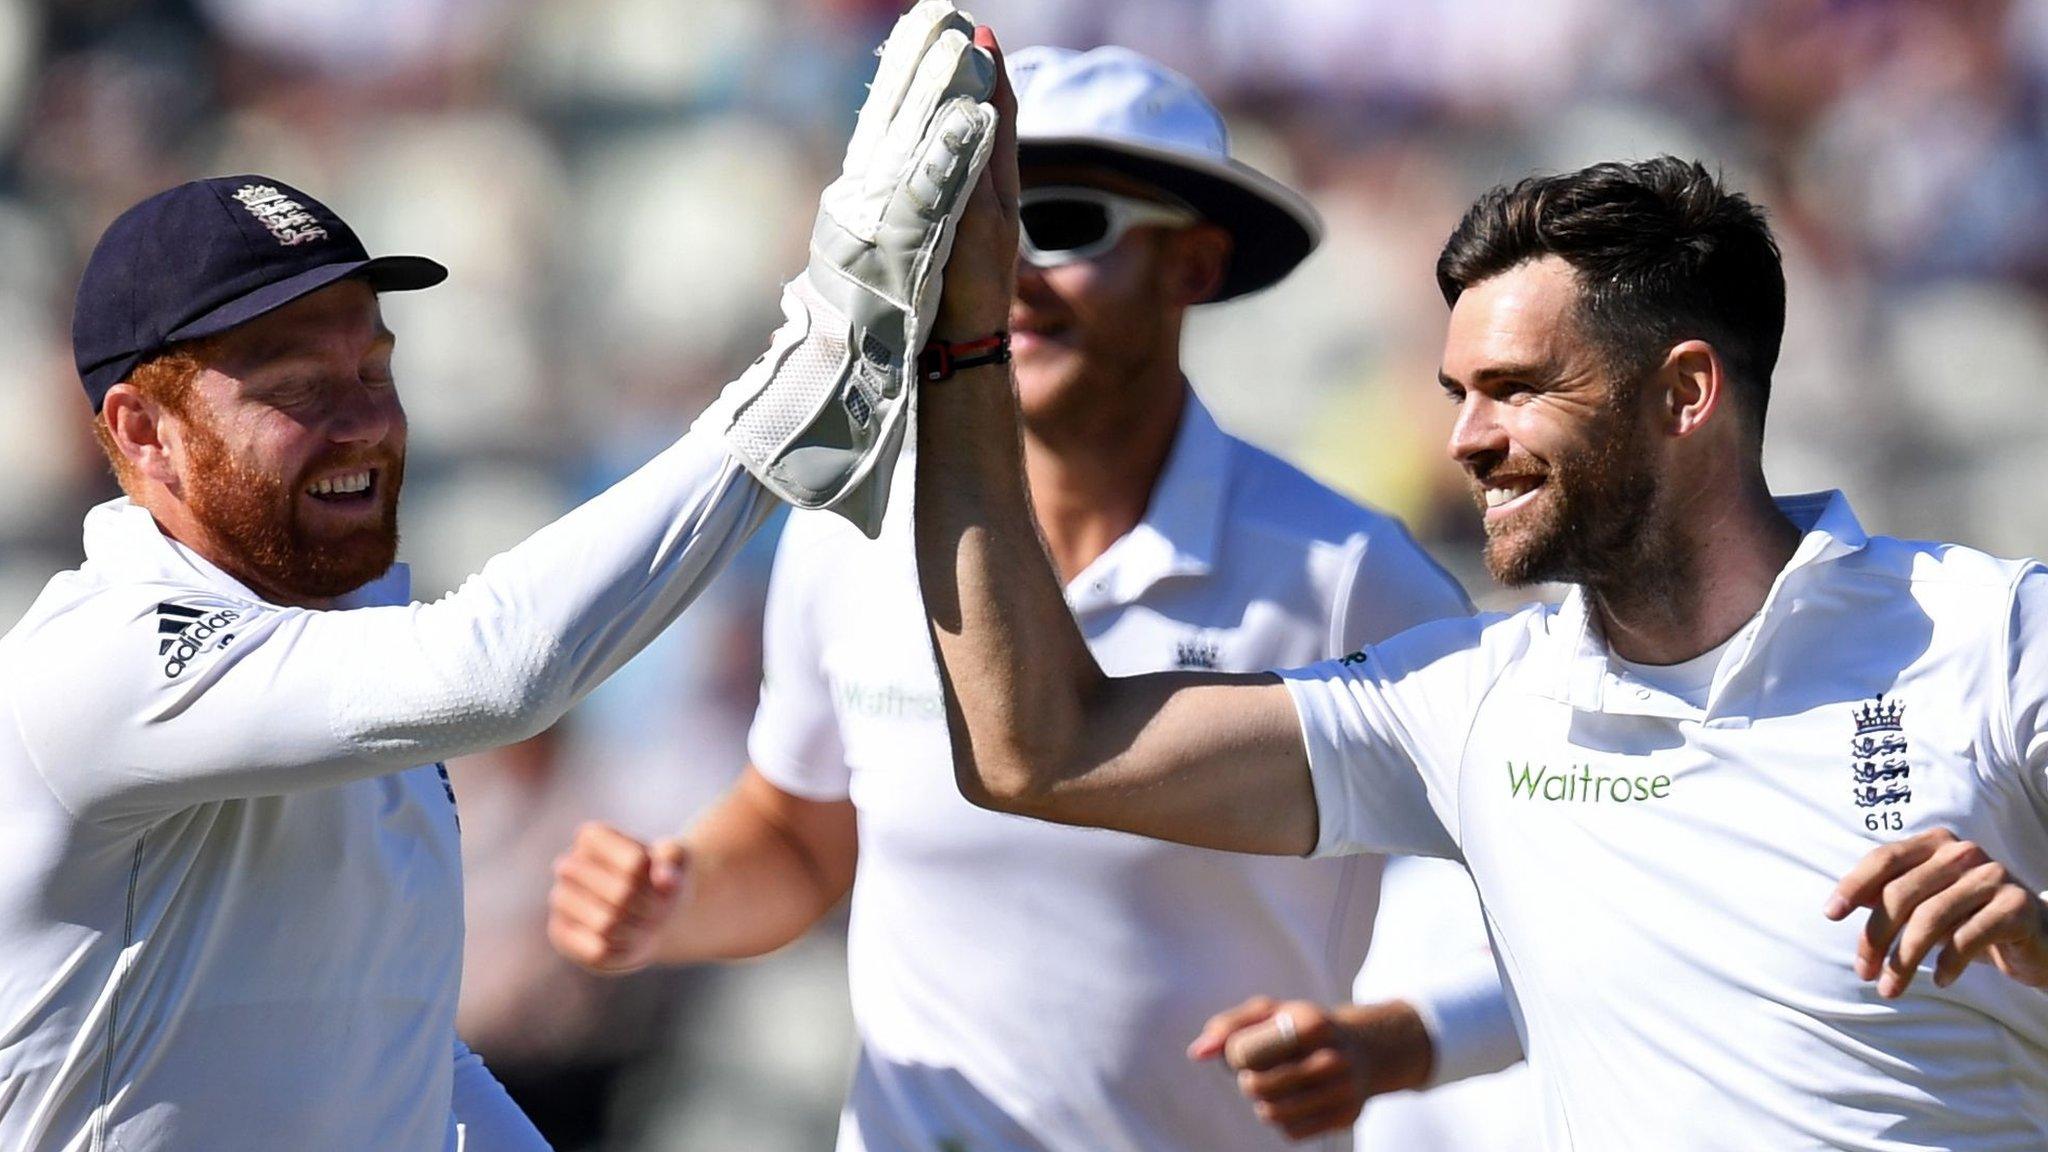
(1116, 109)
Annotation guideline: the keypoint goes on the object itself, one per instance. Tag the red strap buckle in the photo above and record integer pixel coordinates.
(941, 360)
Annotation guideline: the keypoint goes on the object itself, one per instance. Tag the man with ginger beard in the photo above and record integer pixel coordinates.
(253, 519)
(231, 895)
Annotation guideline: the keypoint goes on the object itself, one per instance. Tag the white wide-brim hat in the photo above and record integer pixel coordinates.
(1113, 108)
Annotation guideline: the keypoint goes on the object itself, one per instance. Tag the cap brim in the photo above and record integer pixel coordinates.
(1272, 228)
(382, 273)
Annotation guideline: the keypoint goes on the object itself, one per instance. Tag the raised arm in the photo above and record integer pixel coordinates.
(261, 700)
(1037, 728)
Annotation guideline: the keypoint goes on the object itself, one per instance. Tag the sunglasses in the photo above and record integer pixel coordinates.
(1065, 224)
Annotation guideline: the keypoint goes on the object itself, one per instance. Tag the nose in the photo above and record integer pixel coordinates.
(363, 413)
(1477, 436)
(1030, 277)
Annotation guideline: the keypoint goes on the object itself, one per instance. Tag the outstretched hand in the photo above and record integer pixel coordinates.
(1936, 890)
(981, 274)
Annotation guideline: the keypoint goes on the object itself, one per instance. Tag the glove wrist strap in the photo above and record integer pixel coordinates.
(940, 360)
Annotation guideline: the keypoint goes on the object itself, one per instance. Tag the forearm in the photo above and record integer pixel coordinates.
(755, 881)
(1201, 758)
(548, 620)
(1015, 669)
(278, 700)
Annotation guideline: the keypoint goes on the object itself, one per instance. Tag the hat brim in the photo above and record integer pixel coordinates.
(1271, 227)
(382, 273)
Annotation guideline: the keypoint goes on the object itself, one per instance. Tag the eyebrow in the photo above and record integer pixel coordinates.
(1498, 372)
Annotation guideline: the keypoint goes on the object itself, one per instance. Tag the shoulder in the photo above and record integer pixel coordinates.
(1953, 584)
(1269, 495)
(87, 631)
(1366, 551)
(816, 544)
(1483, 646)
(830, 582)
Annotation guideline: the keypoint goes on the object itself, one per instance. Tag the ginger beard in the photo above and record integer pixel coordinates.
(1592, 522)
(253, 516)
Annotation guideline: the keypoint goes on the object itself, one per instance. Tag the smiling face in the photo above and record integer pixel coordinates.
(1083, 334)
(290, 451)
(1559, 453)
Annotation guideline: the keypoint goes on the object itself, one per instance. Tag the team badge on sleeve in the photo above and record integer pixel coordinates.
(184, 631)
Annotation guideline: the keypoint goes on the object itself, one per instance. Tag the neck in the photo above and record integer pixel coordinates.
(1696, 582)
(175, 520)
(1091, 480)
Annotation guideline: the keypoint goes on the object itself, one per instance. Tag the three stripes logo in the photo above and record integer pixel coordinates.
(183, 632)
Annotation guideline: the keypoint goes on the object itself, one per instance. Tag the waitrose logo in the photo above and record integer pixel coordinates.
(1579, 784)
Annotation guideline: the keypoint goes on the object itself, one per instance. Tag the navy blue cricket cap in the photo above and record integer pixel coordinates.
(206, 256)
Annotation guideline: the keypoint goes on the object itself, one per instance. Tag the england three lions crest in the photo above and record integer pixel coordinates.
(1879, 772)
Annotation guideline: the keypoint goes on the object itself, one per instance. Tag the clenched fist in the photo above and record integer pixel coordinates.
(612, 897)
(1308, 1069)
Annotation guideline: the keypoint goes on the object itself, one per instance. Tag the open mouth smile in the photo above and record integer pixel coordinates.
(1503, 496)
(345, 488)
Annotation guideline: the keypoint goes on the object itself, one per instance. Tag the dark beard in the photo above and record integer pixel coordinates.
(250, 517)
(1593, 525)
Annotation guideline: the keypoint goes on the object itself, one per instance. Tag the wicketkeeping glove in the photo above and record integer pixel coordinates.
(820, 418)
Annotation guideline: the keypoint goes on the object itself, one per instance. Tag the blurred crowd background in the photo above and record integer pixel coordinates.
(620, 185)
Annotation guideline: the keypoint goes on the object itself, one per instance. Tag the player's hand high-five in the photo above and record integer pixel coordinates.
(820, 417)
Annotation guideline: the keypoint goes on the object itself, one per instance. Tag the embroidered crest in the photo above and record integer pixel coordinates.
(1196, 652)
(1878, 767)
(286, 218)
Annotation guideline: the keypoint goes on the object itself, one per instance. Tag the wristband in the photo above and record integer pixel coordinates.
(940, 360)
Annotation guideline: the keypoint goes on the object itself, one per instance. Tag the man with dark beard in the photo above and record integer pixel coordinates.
(1747, 719)
(231, 895)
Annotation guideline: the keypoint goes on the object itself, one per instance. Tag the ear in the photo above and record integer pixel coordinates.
(1692, 387)
(144, 433)
(1202, 257)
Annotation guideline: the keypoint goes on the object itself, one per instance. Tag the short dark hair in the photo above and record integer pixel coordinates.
(1663, 253)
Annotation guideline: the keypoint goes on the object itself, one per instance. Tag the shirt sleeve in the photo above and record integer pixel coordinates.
(794, 741)
(1393, 585)
(1466, 1011)
(2027, 681)
(488, 1119)
(1384, 728)
(262, 700)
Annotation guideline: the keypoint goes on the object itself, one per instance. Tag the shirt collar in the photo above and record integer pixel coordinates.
(1578, 655)
(1183, 521)
(122, 538)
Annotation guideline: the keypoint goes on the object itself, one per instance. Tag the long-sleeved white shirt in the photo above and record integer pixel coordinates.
(230, 891)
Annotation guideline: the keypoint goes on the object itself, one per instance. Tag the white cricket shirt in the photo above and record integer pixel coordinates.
(230, 890)
(1653, 872)
(1022, 985)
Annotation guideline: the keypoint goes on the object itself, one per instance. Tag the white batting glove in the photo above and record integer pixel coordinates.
(820, 418)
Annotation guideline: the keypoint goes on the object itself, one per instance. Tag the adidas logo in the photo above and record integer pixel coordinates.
(186, 631)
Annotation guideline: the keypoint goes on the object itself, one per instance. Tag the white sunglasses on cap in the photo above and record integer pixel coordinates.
(1068, 223)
